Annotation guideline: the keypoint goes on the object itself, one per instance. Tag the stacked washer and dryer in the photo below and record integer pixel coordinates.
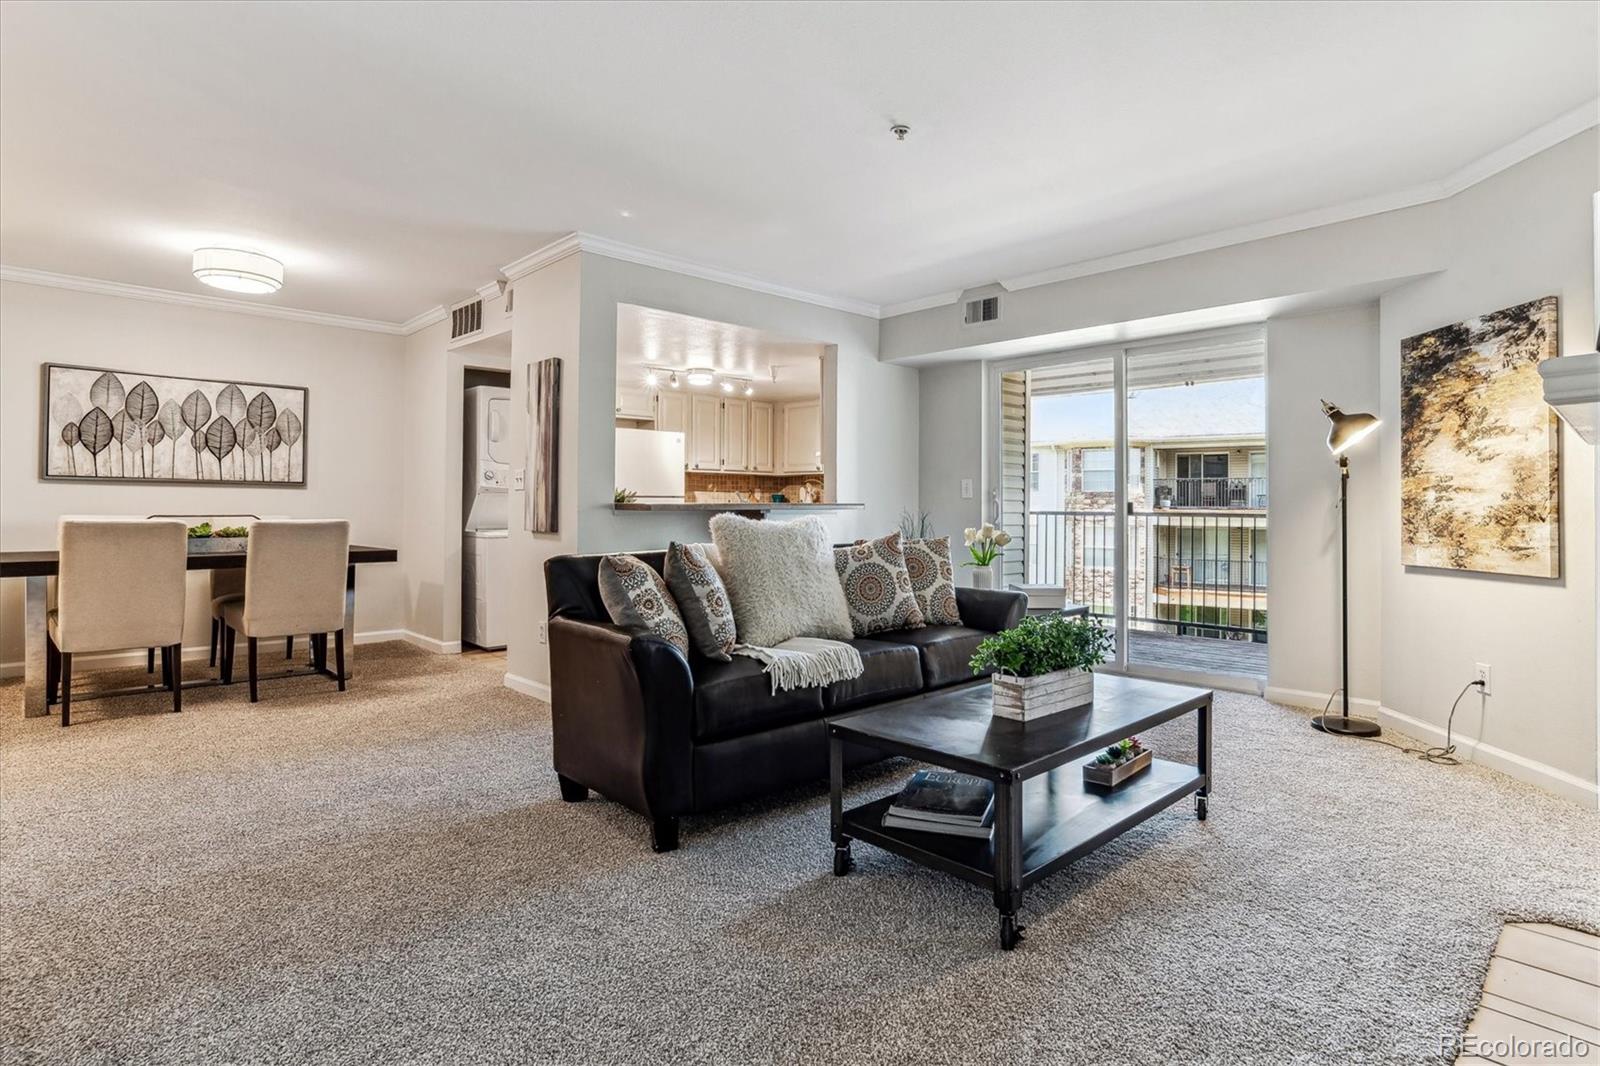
(485, 548)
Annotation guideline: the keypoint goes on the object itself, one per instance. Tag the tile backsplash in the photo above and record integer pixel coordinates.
(764, 484)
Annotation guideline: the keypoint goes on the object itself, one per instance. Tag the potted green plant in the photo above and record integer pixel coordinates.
(1118, 763)
(1043, 665)
(984, 544)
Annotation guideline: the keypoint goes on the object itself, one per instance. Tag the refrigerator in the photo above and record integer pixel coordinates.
(650, 464)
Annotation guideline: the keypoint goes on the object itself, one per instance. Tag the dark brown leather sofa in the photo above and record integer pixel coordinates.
(667, 735)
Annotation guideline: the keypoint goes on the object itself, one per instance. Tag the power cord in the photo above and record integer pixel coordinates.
(1443, 756)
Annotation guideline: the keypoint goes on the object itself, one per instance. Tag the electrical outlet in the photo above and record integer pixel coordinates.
(966, 488)
(544, 632)
(1482, 674)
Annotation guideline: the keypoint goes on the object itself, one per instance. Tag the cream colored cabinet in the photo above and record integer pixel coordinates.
(761, 451)
(672, 412)
(635, 401)
(800, 433)
(704, 447)
(735, 435)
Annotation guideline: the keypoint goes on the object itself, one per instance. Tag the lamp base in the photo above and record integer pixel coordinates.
(1346, 726)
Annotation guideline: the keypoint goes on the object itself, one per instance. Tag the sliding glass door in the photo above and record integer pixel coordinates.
(1135, 482)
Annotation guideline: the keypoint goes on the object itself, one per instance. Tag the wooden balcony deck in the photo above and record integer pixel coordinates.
(1207, 655)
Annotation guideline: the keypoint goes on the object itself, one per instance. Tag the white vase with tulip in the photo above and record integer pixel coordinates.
(984, 544)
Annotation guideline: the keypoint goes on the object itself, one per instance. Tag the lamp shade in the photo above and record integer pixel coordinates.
(1347, 429)
(238, 271)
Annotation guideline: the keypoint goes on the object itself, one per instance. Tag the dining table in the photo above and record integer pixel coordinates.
(36, 568)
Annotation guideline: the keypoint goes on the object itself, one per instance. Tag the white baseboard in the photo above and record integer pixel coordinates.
(115, 659)
(1315, 701)
(528, 687)
(438, 647)
(1537, 774)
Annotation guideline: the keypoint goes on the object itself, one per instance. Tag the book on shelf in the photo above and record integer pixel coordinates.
(941, 799)
(981, 831)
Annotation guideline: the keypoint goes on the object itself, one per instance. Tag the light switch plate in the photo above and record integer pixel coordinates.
(966, 488)
(517, 479)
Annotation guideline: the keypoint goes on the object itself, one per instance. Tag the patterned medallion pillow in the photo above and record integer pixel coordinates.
(702, 599)
(877, 586)
(635, 595)
(780, 579)
(933, 580)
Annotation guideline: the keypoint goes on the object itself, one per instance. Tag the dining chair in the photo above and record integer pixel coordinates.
(294, 582)
(119, 585)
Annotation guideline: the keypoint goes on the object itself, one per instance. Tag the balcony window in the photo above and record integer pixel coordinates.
(1099, 470)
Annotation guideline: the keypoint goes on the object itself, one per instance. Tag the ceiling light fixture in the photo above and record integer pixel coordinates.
(700, 376)
(651, 378)
(673, 381)
(899, 129)
(727, 386)
(749, 389)
(238, 271)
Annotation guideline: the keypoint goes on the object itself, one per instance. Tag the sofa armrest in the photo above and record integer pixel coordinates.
(993, 610)
(622, 704)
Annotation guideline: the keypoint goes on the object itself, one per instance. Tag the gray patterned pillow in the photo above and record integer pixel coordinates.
(877, 587)
(635, 595)
(702, 599)
(933, 580)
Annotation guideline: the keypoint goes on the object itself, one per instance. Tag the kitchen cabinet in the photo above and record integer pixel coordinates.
(704, 451)
(761, 451)
(735, 453)
(672, 412)
(800, 434)
(634, 401)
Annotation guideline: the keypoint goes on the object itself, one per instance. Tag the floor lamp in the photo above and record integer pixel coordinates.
(1345, 432)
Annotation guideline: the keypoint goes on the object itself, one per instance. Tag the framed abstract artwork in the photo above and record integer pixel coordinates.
(542, 498)
(119, 425)
(1479, 447)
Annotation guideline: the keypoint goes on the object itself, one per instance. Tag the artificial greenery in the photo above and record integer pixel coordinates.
(1038, 646)
(624, 496)
(1120, 752)
(201, 530)
(916, 525)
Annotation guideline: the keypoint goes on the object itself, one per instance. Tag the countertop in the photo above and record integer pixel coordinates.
(736, 508)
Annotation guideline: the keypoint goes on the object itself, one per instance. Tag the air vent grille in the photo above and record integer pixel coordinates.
(468, 318)
(986, 309)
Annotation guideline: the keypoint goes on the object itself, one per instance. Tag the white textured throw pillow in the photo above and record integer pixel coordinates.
(781, 580)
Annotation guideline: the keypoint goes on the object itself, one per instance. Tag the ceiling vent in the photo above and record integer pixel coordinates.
(466, 318)
(983, 309)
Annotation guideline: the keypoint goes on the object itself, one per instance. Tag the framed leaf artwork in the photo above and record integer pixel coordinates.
(118, 425)
(542, 498)
(1479, 447)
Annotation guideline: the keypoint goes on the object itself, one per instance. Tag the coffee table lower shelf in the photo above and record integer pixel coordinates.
(1063, 819)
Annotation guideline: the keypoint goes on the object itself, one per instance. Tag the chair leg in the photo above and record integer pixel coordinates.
(52, 673)
(319, 650)
(338, 655)
(149, 660)
(166, 667)
(66, 689)
(175, 653)
(216, 624)
(288, 648)
(227, 654)
(251, 655)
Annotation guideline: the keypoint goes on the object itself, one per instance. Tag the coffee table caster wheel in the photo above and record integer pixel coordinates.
(1010, 932)
(1200, 807)
(842, 862)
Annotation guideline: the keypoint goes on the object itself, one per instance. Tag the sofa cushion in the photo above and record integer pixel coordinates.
(946, 652)
(889, 672)
(702, 599)
(933, 580)
(877, 587)
(780, 579)
(735, 698)
(636, 595)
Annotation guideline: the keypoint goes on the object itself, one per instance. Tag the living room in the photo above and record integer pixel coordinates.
(725, 501)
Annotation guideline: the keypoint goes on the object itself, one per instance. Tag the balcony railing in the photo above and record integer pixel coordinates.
(1210, 492)
(1193, 573)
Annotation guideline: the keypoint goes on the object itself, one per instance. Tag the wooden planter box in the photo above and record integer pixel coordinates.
(1024, 699)
(1112, 776)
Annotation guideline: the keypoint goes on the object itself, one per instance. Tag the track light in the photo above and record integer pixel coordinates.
(673, 381)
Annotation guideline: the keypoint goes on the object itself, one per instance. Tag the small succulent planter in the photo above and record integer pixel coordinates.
(1122, 760)
(1025, 699)
(217, 545)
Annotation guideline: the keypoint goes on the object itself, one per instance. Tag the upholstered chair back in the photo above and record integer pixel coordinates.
(294, 577)
(120, 584)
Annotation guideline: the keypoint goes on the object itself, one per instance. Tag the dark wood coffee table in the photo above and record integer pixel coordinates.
(1045, 816)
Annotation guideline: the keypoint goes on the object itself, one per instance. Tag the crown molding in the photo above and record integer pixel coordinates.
(628, 253)
(1487, 166)
(422, 320)
(938, 299)
(98, 286)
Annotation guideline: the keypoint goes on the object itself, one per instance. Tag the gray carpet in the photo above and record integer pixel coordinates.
(389, 876)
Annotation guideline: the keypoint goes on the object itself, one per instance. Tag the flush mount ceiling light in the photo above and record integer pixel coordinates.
(238, 271)
(700, 377)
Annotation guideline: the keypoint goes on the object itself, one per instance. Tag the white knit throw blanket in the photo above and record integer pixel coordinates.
(806, 661)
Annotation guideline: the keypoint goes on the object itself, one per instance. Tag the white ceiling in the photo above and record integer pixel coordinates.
(777, 367)
(395, 155)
